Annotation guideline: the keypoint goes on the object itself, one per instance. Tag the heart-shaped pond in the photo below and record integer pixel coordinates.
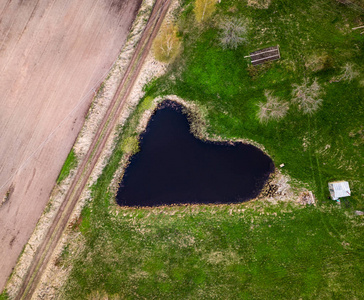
(174, 167)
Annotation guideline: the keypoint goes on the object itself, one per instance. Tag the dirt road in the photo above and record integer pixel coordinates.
(53, 55)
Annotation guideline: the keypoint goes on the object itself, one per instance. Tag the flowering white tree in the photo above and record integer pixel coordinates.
(307, 96)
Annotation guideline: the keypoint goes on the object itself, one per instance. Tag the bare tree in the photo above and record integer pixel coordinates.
(348, 72)
(233, 32)
(272, 109)
(307, 96)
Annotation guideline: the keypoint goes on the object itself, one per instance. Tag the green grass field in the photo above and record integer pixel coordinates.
(219, 252)
(317, 148)
(249, 250)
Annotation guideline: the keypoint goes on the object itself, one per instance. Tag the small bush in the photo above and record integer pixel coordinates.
(307, 96)
(273, 109)
(166, 45)
(130, 145)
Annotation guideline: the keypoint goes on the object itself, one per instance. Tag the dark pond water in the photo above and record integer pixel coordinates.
(173, 167)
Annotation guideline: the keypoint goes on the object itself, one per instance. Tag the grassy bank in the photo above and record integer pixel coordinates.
(69, 164)
(252, 250)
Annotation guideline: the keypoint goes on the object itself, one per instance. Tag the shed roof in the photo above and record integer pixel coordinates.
(339, 189)
(260, 56)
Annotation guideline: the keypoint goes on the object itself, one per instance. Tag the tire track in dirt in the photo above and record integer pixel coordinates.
(4, 7)
(24, 28)
(104, 131)
(32, 71)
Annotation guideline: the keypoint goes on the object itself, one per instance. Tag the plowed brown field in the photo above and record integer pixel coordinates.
(53, 56)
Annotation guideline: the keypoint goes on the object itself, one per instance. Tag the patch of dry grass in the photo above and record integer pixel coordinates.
(260, 4)
(317, 63)
(204, 9)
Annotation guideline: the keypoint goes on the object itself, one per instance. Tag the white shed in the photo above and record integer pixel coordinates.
(339, 189)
